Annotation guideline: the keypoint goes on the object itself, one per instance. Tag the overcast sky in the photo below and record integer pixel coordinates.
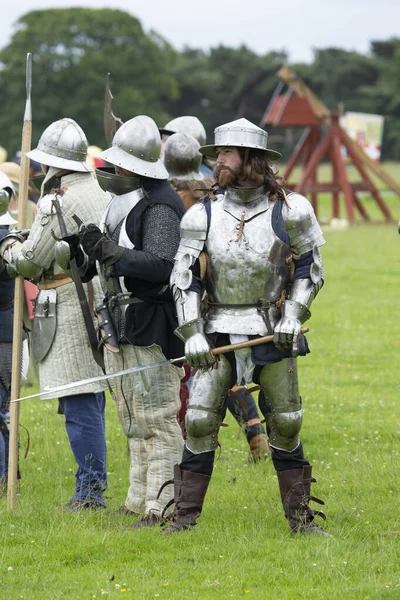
(296, 26)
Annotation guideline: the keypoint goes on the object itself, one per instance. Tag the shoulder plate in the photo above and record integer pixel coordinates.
(193, 236)
(301, 224)
(194, 222)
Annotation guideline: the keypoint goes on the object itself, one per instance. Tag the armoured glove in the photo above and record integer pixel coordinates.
(16, 235)
(198, 353)
(287, 331)
(286, 335)
(98, 247)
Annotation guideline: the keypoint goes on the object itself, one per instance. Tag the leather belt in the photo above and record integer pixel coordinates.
(57, 282)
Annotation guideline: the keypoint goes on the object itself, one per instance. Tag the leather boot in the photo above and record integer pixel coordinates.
(295, 487)
(259, 448)
(189, 493)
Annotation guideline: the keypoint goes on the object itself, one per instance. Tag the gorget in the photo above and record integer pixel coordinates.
(252, 201)
(248, 265)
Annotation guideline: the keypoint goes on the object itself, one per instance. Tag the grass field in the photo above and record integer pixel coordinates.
(241, 547)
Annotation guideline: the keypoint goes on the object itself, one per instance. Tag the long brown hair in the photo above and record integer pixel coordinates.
(258, 168)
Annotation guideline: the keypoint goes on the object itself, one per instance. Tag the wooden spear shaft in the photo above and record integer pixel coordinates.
(19, 297)
(248, 343)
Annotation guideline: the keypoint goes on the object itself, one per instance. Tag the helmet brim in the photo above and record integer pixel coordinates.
(211, 150)
(7, 219)
(61, 163)
(144, 168)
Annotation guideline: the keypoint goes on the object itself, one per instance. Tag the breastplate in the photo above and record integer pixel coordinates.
(118, 209)
(247, 265)
(113, 223)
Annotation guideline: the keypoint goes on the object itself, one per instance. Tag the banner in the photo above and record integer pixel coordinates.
(367, 130)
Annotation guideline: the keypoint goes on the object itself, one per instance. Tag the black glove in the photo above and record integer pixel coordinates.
(74, 247)
(89, 235)
(98, 247)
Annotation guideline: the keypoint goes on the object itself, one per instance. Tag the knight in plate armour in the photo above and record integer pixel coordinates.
(182, 160)
(133, 249)
(59, 337)
(260, 245)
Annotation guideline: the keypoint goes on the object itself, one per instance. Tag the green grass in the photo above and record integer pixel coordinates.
(241, 547)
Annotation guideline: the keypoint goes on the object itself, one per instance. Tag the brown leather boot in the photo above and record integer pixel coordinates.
(295, 487)
(259, 448)
(189, 493)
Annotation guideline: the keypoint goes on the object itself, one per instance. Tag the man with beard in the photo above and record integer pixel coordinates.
(263, 271)
(182, 160)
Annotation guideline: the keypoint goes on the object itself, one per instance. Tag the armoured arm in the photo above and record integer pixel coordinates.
(305, 238)
(11, 253)
(36, 253)
(186, 290)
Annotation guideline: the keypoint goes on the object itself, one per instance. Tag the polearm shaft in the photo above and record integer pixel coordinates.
(19, 296)
(52, 392)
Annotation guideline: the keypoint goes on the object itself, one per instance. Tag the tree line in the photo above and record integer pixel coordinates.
(74, 49)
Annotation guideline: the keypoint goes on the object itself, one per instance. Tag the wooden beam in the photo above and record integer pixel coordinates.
(341, 171)
(360, 207)
(374, 166)
(314, 161)
(358, 164)
(301, 144)
(320, 110)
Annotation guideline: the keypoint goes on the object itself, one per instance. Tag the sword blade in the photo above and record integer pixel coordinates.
(52, 393)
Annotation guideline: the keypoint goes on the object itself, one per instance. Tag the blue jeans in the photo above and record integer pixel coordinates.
(4, 433)
(2, 457)
(85, 425)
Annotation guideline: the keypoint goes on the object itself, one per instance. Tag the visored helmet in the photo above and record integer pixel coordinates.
(63, 145)
(182, 158)
(136, 147)
(190, 125)
(241, 134)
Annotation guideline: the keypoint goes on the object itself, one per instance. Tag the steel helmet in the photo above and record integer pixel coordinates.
(190, 125)
(63, 144)
(241, 134)
(182, 158)
(136, 147)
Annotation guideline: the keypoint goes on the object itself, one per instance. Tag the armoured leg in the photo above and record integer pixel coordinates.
(84, 422)
(283, 412)
(147, 410)
(203, 420)
(282, 407)
(207, 396)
